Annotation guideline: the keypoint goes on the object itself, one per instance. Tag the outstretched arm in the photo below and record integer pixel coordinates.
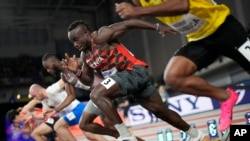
(107, 33)
(87, 76)
(70, 90)
(29, 107)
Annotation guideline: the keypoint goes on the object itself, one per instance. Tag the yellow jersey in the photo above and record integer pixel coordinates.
(203, 19)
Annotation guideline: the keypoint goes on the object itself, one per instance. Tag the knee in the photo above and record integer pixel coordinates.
(172, 80)
(83, 126)
(60, 125)
(94, 97)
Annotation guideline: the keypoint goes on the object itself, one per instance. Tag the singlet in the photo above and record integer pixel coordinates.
(106, 61)
(56, 96)
(203, 19)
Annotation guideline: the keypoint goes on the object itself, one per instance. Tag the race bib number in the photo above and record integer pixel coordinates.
(71, 116)
(188, 24)
(108, 73)
(50, 121)
(245, 49)
(108, 82)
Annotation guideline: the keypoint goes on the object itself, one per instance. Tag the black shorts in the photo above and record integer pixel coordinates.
(136, 83)
(51, 121)
(226, 41)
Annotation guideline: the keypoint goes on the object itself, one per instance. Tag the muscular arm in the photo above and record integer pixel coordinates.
(87, 76)
(69, 88)
(29, 107)
(108, 33)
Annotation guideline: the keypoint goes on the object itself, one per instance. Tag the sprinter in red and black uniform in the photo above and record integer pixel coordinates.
(124, 74)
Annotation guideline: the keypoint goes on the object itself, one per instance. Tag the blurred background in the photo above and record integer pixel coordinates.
(30, 28)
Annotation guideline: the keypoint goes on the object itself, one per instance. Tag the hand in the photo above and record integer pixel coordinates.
(70, 63)
(49, 113)
(164, 29)
(28, 117)
(126, 10)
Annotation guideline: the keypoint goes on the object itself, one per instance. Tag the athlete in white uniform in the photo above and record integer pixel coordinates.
(52, 97)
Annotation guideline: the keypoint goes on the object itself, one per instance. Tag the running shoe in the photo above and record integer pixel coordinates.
(227, 109)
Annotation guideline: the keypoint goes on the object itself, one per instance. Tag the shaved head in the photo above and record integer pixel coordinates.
(34, 89)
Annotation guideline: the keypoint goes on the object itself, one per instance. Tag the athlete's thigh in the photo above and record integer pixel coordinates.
(87, 118)
(108, 88)
(197, 52)
(42, 129)
(61, 123)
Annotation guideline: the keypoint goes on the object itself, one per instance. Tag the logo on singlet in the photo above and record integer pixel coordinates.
(94, 63)
(188, 24)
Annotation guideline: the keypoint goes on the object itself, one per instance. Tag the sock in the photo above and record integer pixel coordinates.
(123, 130)
(193, 132)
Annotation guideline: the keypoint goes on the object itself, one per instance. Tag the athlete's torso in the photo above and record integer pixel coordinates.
(203, 19)
(56, 96)
(119, 58)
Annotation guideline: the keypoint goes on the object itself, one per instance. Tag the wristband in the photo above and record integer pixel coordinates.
(81, 85)
(157, 26)
(78, 73)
